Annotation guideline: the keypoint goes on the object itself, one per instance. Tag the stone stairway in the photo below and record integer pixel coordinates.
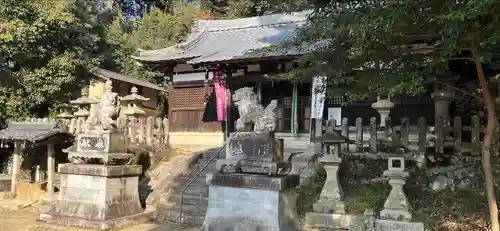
(195, 199)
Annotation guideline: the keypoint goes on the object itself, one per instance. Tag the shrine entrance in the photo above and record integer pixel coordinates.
(294, 103)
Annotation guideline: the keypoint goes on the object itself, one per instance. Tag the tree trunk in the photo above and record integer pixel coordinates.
(488, 138)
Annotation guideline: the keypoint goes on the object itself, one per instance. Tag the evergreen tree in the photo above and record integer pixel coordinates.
(46, 48)
(370, 46)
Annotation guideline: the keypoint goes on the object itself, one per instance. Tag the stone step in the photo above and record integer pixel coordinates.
(193, 190)
(203, 161)
(182, 181)
(190, 209)
(192, 214)
(193, 171)
(188, 199)
(200, 180)
(210, 167)
(210, 154)
(173, 216)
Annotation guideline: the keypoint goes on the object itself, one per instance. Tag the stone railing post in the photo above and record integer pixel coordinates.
(158, 133)
(166, 131)
(149, 131)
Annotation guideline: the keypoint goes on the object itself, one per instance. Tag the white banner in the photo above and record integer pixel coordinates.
(336, 114)
(318, 93)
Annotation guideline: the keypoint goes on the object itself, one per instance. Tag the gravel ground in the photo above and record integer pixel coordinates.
(25, 220)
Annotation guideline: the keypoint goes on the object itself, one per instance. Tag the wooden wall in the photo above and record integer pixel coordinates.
(187, 111)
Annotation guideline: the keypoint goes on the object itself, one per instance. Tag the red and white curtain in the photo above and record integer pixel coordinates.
(219, 81)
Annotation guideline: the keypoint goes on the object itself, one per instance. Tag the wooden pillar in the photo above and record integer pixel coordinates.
(229, 123)
(259, 92)
(206, 86)
(16, 167)
(170, 73)
(50, 171)
(294, 123)
(228, 111)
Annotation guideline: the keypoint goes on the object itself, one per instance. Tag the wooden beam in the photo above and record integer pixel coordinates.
(259, 92)
(171, 93)
(175, 109)
(228, 103)
(294, 123)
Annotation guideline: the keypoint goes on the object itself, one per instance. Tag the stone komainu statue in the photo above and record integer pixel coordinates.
(106, 111)
(252, 113)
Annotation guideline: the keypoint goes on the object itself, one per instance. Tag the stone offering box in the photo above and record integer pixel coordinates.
(250, 152)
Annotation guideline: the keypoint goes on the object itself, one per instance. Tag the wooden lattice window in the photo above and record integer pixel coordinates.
(189, 97)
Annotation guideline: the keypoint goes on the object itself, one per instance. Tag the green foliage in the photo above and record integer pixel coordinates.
(46, 47)
(158, 30)
(364, 46)
(155, 30)
(231, 9)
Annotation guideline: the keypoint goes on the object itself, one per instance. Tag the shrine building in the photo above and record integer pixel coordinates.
(230, 46)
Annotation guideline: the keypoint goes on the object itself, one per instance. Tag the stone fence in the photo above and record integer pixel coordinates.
(150, 131)
(455, 138)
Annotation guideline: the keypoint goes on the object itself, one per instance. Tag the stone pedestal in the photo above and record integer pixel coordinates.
(245, 202)
(331, 198)
(97, 197)
(254, 153)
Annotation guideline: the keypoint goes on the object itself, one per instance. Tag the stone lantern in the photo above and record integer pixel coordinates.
(383, 106)
(65, 117)
(134, 102)
(442, 100)
(396, 206)
(331, 198)
(83, 104)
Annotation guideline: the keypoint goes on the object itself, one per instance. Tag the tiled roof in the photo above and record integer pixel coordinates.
(222, 40)
(103, 73)
(30, 131)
